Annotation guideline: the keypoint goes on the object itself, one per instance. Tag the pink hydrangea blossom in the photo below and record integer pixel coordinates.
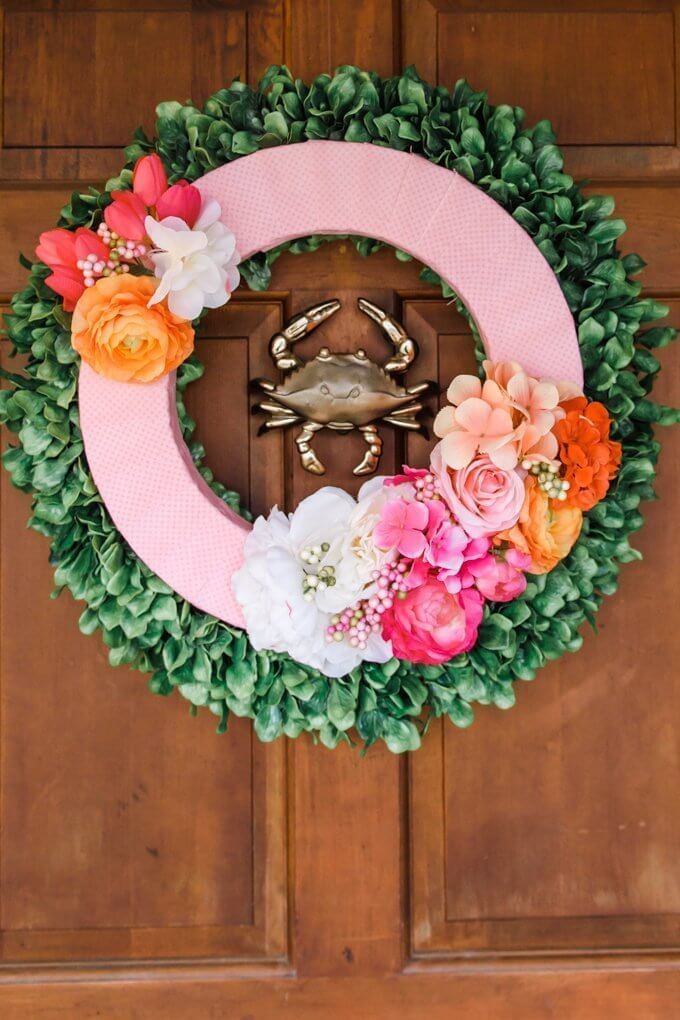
(402, 527)
(430, 625)
(482, 496)
(409, 474)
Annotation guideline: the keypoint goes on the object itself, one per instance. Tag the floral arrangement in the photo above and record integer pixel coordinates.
(407, 568)
(520, 479)
(159, 257)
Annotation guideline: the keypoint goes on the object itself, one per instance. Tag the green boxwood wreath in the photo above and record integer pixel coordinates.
(144, 623)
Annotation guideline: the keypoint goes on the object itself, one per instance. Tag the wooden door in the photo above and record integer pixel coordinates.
(526, 868)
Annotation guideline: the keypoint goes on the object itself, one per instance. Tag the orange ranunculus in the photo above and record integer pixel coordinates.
(591, 459)
(546, 529)
(120, 337)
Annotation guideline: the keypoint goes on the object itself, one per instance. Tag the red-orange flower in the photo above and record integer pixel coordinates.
(591, 459)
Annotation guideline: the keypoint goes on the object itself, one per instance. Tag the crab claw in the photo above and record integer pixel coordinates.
(299, 326)
(308, 320)
(405, 348)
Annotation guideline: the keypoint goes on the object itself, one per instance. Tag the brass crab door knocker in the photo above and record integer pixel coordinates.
(341, 391)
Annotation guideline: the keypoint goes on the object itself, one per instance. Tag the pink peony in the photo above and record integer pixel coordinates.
(508, 417)
(149, 181)
(125, 216)
(481, 495)
(182, 200)
(499, 577)
(61, 250)
(401, 526)
(429, 625)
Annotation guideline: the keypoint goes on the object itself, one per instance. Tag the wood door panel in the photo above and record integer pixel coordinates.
(234, 350)
(560, 832)
(530, 56)
(130, 830)
(58, 112)
(524, 868)
(563, 62)
(325, 35)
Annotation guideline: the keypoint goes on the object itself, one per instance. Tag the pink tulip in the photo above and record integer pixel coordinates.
(401, 527)
(149, 181)
(182, 200)
(430, 625)
(125, 216)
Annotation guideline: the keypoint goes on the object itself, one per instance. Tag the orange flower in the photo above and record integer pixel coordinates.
(120, 337)
(590, 457)
(546, 529)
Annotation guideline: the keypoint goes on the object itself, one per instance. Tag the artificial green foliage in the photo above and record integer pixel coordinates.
(145, 624)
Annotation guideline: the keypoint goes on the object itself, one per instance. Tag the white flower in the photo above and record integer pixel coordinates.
(197, 266)
(359, 557)
(287, 585)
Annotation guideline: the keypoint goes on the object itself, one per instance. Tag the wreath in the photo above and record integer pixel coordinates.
(482, 567)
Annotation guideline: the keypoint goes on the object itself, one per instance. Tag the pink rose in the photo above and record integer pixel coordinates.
(499, 577)
(429, 625)
(484, 498)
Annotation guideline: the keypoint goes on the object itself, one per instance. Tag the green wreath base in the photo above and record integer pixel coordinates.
(144, 623)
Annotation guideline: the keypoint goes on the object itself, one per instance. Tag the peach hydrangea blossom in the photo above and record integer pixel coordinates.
(509, 417)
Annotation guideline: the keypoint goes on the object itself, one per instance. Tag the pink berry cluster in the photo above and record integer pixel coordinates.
(427, 488)
(357, 623)
(121, 254)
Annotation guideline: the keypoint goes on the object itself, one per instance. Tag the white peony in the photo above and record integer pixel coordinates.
(359, 557)
(289, 584)
(197, 266)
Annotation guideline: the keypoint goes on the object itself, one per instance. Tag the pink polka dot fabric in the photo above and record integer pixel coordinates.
(135, 451)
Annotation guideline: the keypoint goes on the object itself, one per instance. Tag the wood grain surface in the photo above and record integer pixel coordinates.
(526, 868)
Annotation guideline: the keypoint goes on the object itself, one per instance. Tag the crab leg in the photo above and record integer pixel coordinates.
(372, 455)
(279, 423)
(280, 344)
(308, 458)
(422, 387)
(408, 412)
(405, 348)
(407, 423)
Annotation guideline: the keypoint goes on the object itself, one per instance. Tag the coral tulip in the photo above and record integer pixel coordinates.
(61, 250)
(149, 181)
(125, 216)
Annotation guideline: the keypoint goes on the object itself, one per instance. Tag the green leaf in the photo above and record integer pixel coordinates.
(197, 694)
(269, 723)
(607, 231)
(472, 141)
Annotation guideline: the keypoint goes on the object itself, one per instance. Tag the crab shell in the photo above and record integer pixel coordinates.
(341, 391)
